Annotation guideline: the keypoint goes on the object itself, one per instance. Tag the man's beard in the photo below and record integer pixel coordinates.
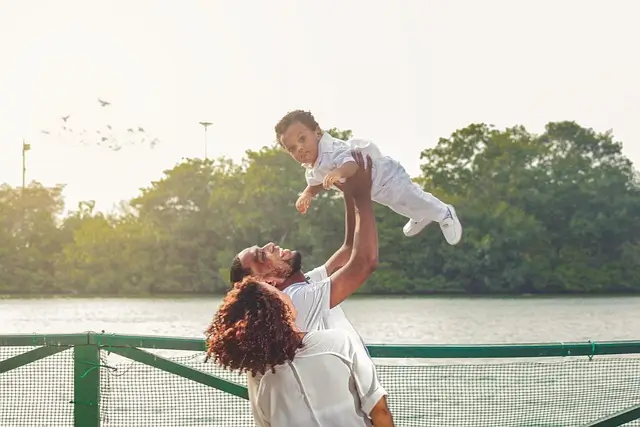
(291, 267)
(296, 263)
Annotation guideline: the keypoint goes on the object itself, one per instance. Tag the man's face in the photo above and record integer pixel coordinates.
(301, 143)
(271, 261)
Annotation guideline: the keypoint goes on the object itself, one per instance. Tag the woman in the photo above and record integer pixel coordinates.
(321, 379)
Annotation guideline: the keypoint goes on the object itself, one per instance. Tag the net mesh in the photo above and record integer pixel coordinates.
(567, 392)
(541, 394)
(38, 394)
(139, 395)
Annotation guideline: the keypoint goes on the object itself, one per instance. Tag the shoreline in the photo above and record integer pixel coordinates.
(187, 296)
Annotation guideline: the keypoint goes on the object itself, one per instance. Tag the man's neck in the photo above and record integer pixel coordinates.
(298, 277)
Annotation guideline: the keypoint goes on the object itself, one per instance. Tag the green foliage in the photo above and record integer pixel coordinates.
(552, 213)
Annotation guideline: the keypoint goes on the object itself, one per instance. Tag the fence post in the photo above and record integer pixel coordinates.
(86, 384)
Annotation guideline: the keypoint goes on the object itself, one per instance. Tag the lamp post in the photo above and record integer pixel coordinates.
(205, 125)
(25, 147)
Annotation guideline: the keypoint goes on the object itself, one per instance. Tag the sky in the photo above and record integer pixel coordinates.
(401, 73)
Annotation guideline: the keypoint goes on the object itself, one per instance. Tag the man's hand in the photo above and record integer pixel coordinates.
(359, 185)
(303, 203)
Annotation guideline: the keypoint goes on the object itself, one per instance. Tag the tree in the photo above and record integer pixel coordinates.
(557, 212)
(29, 238)
(531, 203)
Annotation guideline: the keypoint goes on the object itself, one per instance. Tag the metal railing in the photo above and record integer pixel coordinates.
(87, 363)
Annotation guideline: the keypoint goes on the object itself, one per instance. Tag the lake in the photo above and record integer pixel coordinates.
(430, 320)
(568, 392)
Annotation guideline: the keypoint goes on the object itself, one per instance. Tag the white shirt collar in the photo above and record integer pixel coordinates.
(325, 145)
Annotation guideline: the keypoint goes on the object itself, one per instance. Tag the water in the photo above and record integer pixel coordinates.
(136, 395)
(378, 319)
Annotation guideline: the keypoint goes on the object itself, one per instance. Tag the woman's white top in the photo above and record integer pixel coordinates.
(331, 382)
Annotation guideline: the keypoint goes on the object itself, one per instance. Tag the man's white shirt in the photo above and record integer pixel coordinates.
(312, 300)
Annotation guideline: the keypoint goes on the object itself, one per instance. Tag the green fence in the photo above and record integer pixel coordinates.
(99, 379)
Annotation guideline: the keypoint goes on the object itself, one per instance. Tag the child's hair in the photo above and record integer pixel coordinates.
(304, 117)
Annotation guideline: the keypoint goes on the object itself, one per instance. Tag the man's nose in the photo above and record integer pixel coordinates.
(269, 246)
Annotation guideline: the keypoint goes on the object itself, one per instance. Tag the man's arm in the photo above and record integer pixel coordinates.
(342, 255)
(364, 256)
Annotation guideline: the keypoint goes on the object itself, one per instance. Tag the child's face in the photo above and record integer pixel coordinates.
(301, 142)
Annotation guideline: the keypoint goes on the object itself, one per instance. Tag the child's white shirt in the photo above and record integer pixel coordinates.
(334, 153)
(391, 184)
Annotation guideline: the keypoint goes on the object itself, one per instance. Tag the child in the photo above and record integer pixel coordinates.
(328, 160)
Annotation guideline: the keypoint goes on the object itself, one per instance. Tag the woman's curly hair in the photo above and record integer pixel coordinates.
(252, 330)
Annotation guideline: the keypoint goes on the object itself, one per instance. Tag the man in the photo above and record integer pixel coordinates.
(318, 294)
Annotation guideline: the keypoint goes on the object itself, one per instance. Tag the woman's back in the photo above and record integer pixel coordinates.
(330, 382)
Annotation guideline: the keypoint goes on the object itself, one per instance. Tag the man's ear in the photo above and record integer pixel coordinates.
(276, 282)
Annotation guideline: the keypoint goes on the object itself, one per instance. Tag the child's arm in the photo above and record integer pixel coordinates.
(341, 173)
(304, 201)
(313, 190)
(347, 170)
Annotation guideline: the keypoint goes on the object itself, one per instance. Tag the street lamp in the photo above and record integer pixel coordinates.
(25, 147)
(205, 125)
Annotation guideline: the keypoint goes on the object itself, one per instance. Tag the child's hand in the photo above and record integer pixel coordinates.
(331, 179)
(303, 202)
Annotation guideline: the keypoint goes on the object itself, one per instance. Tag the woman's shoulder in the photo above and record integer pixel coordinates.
(328, 334)
(329, 340)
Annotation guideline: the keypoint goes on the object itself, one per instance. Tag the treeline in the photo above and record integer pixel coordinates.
(552, 213)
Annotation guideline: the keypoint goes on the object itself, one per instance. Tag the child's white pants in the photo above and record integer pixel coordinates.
(406, 198)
